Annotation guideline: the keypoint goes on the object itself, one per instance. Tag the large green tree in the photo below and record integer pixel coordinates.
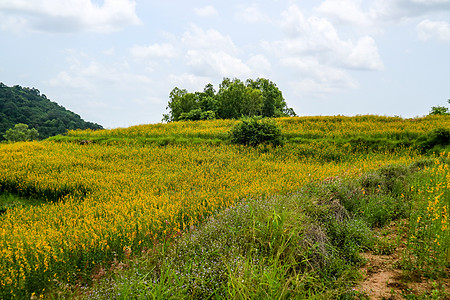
(233, 100)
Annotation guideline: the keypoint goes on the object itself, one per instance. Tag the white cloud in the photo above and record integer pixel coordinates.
(316, 78)
(434, 29)
(207, 11)
(164, 50)
(112, 94)
(316, 54)
(397, 10)
(197, 38)
(259, 64)
(251, 14)
(87, 74)
(319, 38)
(189, 81)
(216, 63)
(67, 15)
(345, 11)
(210, 53)
(364, 55)
(431, 2)
(109, 52)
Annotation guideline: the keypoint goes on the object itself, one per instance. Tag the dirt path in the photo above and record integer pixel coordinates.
(383, 278)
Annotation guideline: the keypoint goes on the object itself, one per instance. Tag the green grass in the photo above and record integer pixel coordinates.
(9, 201)
(305, 245)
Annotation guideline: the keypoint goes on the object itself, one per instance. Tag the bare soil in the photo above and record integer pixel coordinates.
(383, 278)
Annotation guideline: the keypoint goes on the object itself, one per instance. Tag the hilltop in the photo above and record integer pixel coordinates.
(27, 105)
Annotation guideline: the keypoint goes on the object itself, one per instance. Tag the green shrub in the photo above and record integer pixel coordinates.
(21, 133)
(255, 131)
(438, 138)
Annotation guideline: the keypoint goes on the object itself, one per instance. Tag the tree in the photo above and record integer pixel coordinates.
(233, 100)
(21, 133)
(28, 106)
(230, 98)
(440, 110)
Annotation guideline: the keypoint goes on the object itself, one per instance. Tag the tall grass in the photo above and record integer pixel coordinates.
(428, 243)
(123, 198)
(303, 246)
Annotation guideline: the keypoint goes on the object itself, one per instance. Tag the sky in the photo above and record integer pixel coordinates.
(115, 62)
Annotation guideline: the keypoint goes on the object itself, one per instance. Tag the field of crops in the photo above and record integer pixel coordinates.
(114, 199)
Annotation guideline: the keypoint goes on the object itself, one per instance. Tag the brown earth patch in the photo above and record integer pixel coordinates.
(383, 278)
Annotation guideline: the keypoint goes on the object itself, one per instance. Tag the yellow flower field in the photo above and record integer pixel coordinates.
(109, 200)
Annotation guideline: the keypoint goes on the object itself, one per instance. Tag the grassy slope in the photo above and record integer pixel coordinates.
(305, 245)
(292, 238)
(278, 247)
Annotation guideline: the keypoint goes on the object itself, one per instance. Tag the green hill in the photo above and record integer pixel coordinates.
(27, 105)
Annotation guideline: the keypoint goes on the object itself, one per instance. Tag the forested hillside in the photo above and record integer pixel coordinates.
(27, 105)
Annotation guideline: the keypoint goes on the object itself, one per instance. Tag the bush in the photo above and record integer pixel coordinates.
(439, 137)
(439, 110)
(21, 133)
(255, 131)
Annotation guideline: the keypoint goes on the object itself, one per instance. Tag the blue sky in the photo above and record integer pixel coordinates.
(114, 62)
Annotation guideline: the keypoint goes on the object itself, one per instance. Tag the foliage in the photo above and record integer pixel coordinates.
(21, 133)
(437, 139)
(234, 99)
(428, 241)
(28, 106)
(254, 131)
(124, 197)
(361, 133)
(280, 247)
(440, 110)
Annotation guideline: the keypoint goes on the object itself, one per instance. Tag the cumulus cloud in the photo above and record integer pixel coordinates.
(189, 81)
(67, 15)
(395, 10)
(434, 29)
(431, 2)
(197, 38)
(210, 53)
(316, 78)
(316, 54)
(87, 74)
(259, 64)
(251, 14)
(207, 54)
(318, 37)
(102, 91)
(363, 55)
(345, 11)
(163, 50)
(216, 63)
(206, 11)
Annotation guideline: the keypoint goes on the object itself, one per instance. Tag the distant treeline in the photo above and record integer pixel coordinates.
(28, 106)
(233, 100)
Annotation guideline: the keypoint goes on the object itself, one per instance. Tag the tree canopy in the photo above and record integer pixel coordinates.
(233, 100)
(440, 110)
(21, 133)
(28, 106)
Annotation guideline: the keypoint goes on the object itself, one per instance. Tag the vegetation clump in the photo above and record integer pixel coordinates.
(255, 131)
(280, 247)
(234, 99)
(436, 141)
(440, 110)
(21, 133)
(147, 188)
(28, 106)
